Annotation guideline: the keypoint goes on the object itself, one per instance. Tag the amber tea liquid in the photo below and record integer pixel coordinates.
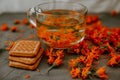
(60, 28)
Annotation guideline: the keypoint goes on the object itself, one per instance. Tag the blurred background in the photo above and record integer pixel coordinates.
(94, 6)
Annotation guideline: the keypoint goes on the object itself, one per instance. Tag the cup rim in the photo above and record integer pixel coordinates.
(85, 9)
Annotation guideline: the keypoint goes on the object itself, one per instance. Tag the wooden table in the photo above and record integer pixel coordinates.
(61, 73)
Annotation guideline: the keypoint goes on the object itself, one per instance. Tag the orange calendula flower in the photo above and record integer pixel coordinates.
(75, 72)
(58, 61)
(112, 61)
(60, 53)
(25, 21)
(111, 49)
(4, 27)
(13, 28)
(81, 59)
(118, 58)
(73, 63)
(55, 58)
(51, 60)
(85, 71)
(114, 13)
(49, 52)
(101, 72)
(16, 21)
(88, 63)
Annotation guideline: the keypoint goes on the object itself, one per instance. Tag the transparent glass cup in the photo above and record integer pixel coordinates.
(59, 24)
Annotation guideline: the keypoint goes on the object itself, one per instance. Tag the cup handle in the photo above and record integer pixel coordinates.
(31, 14)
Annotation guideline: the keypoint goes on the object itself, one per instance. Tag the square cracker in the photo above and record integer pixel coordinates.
(26, 60)
(25, 66)
(25, 48)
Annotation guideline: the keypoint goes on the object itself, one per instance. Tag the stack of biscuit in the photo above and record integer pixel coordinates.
(25, 54)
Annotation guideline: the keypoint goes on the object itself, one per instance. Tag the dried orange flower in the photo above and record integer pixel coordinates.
(73, 63)
(59, 53)
(49, 52)
(118, 58)
(16, 21)
(4, 27)
(58, 61)
(75, 72)
(101, 72)
(13, 28)
(114, 13)
(85, 71)
(112, 61)
(51, 60)
(81, 59)
(25, 21)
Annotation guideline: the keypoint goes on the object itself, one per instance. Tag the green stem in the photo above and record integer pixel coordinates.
(47, 71)
(51, 67)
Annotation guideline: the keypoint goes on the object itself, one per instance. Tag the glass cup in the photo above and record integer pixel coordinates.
(59, 24)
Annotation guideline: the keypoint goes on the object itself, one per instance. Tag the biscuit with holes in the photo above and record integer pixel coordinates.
(28, 60)
(25, 66)
(25, 48)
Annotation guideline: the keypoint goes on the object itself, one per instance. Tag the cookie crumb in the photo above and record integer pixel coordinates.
(38, 70)
(27, 76)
